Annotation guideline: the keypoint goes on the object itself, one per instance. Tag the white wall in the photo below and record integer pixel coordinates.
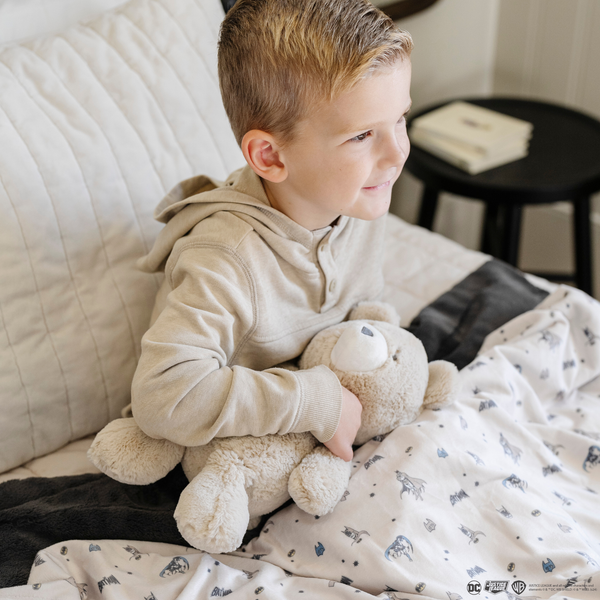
(453, 57)
(550, 50)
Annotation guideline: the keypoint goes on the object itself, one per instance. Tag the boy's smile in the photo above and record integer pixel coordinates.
(347, 154)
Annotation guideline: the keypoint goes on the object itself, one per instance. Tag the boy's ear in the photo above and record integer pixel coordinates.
(262, 153)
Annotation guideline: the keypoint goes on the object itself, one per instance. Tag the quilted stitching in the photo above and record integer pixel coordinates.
(96, 125)
(100, 131)
(6, 343)
(108, 267)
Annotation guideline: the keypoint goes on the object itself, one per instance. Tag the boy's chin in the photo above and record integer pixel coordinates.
(374, 213)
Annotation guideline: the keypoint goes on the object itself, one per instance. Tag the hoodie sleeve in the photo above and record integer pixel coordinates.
(183, 389)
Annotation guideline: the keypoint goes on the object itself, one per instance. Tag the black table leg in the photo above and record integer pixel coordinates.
(512, 233)
(582, 235)
(489, 230)
(429, 201)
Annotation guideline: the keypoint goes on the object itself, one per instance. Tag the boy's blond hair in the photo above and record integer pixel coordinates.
(278, 59)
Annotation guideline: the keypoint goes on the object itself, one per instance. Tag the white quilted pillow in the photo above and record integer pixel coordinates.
(96, 125)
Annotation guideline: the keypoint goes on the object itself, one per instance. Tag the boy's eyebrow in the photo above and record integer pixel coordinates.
(366, 128)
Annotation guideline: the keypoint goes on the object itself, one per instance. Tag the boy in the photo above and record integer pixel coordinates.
(316, 92)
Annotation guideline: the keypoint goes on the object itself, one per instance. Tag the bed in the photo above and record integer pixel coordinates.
(496, 496)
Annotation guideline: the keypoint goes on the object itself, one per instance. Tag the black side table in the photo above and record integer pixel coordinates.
(563, 164)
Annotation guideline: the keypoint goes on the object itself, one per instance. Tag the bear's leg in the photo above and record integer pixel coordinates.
(212, 513)
(125, 453)
(319, 481)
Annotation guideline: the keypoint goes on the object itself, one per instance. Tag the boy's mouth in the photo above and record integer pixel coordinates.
(381, 186)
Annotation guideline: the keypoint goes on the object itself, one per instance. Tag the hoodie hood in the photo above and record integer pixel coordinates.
(195, 199)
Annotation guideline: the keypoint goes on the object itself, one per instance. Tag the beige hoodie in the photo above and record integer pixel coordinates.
(245, 289)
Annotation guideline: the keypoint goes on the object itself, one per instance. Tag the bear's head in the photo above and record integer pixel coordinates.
(385, 366)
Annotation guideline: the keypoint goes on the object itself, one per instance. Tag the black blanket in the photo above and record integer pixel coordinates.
(38, 512)
(454, 326)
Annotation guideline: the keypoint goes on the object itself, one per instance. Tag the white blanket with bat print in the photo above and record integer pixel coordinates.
(497, 496)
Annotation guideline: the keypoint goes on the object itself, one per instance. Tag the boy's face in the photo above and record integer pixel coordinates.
(347, 155)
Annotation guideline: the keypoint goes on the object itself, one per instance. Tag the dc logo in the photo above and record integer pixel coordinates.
(519, 586)
(473, 587)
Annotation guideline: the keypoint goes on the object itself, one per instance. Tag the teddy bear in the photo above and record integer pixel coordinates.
(234, 481)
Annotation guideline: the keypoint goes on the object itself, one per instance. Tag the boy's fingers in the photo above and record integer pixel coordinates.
(344, 451)
(346, 454)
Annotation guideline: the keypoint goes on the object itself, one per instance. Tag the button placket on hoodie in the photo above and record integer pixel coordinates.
(330, 271)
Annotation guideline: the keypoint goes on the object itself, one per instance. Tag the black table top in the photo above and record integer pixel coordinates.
(563, 161)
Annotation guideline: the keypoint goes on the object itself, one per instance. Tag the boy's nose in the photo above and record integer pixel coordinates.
(395, 152)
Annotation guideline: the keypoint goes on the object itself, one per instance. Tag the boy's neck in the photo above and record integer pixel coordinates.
(294, 210)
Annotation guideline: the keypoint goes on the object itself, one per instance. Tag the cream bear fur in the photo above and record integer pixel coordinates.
(234, 481)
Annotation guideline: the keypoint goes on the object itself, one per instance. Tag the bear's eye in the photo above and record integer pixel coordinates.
(395, 357)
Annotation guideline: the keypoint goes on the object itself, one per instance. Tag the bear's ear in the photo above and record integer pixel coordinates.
(375, 311)
(443, 386)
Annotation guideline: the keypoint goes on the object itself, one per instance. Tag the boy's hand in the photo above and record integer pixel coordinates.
(341, 442)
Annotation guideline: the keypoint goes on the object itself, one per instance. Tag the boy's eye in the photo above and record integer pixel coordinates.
(361, 137)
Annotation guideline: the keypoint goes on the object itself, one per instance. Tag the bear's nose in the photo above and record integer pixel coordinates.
(360, 348)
